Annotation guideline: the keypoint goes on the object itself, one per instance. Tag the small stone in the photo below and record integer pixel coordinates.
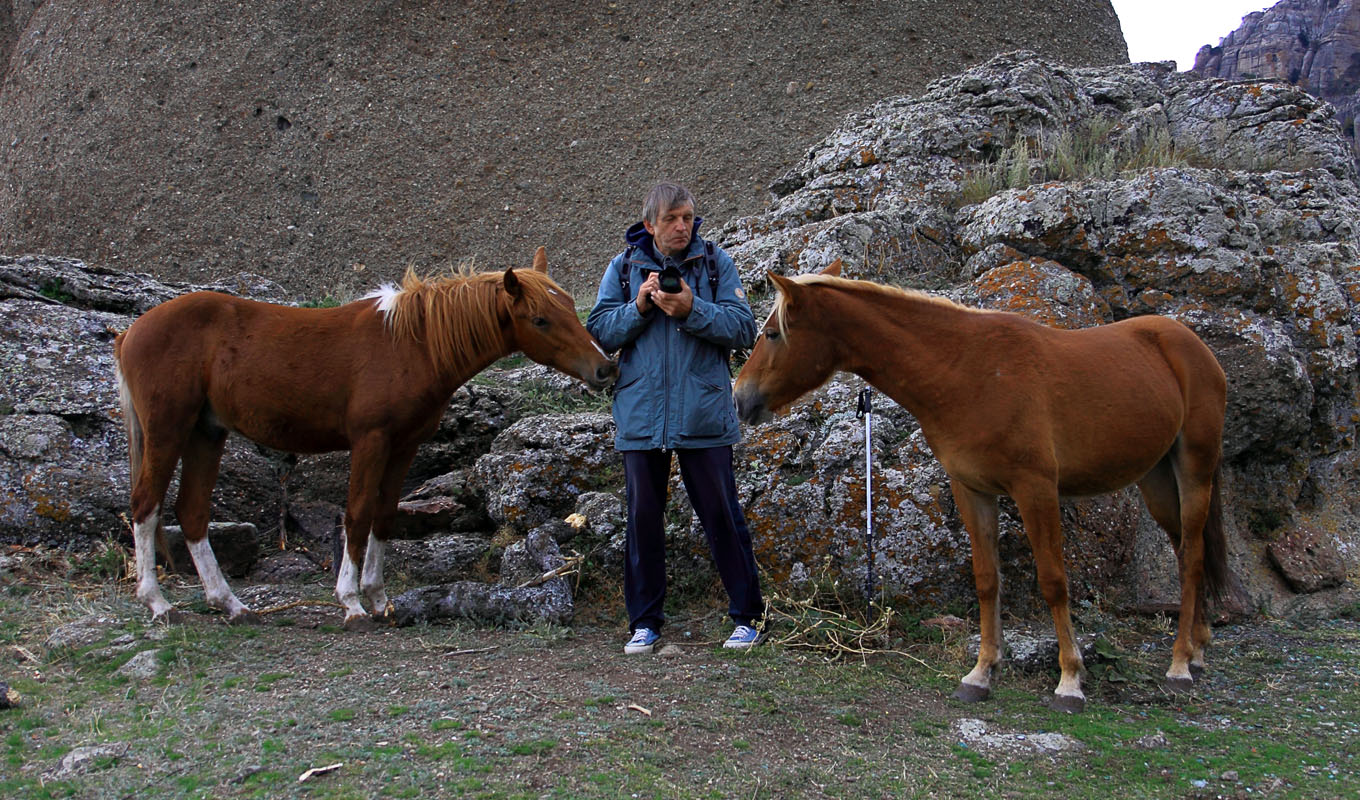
(141, 666)
(8, 697)
(82, 758)
(1230, 776)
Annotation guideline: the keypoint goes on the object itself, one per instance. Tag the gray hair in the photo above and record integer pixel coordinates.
(662, 198)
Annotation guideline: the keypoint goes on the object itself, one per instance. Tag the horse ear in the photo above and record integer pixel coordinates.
(784, 285)
(512, 286)
(541, 260)
(833, 269)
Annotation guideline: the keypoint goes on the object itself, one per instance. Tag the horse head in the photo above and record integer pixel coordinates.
(544, 326)
(791, 358)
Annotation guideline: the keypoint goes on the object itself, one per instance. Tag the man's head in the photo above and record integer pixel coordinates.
(668, 215)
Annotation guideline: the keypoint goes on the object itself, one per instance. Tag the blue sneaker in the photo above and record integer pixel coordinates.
(644, 639)
(744, 638)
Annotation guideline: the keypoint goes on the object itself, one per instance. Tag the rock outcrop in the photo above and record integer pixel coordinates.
(1245, 231)
(1313, 44)
(1235, 212)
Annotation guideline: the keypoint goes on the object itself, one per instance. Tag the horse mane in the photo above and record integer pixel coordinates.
(864, 287)
(456, 316)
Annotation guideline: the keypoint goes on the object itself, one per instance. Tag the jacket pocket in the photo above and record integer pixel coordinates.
(709, 412)
(633, 409)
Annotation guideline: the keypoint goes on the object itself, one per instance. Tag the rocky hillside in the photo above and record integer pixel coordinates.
(1313, 44)
(1079, 196)
(327, 145)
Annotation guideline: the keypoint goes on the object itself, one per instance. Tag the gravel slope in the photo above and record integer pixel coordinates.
(320, 143)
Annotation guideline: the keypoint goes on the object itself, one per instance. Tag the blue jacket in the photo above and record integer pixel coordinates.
(675, 387)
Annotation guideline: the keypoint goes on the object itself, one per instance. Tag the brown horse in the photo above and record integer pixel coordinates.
(1013, 407)
(371, 377)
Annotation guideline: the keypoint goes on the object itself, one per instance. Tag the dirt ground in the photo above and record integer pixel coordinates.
(202, 709)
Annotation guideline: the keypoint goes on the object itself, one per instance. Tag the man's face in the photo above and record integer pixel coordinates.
(672, 229)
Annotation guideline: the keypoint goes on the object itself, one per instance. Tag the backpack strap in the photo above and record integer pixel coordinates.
(710, 261)
(624, 272)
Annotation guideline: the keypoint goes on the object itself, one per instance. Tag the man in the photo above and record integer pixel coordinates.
(674, 327)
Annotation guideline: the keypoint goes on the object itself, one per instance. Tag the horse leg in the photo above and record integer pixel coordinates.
(366, 460)
(352, 547)
(384, 517)
(1042, 518)
(149, 486)
(1161, 493)
(979, 512)
(198, 474)
(148, 587)
(1192, 631)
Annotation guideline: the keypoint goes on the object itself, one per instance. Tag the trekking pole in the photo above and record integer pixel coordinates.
(866, 410)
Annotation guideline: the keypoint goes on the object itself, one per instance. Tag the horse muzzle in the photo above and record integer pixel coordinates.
(604, 376)
(751, 407)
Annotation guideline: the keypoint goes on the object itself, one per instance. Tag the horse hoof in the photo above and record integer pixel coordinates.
(361, 623)
(969, 693)
(1196, 671)
(387, 618)
(1180, 685)
(246, 617)
(1067, 704)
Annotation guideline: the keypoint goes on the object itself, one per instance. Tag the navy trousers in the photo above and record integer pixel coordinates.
(712, 490)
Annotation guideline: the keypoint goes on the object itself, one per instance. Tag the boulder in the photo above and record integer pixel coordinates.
(1309, 560)
(235, 544)
(1245, 231)
(540, 465)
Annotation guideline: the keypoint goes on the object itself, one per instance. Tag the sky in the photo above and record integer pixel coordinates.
(1174, 30)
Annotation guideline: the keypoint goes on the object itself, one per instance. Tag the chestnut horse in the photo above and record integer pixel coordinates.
(1010, 406)
(372, 377)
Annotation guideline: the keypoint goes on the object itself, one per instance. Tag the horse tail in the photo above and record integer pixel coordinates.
(133, 425)
(1215, 543)
(131, 422)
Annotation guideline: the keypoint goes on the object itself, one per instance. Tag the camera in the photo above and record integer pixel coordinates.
(669, 278)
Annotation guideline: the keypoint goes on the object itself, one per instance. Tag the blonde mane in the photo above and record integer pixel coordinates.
(865, 287)
(458, 317)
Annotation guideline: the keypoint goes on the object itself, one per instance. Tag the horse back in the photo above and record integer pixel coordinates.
(289, 378)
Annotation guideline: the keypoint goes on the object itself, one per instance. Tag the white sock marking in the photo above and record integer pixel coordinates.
(144, 548)
(346, 583)
(373, 586)
(215, 589)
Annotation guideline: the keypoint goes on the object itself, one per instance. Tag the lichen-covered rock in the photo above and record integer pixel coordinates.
(1248, 235)
(63, 449)
(548, 602)
(540, 465)
(1309, 560)
(439, 559)
(1244, 228)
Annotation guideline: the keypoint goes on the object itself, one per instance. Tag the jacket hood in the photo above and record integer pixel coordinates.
(638, 237)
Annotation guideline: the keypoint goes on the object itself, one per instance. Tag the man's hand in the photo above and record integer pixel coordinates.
(644, 295)
(677, 305)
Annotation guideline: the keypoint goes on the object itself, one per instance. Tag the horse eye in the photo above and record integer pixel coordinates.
(772, 335)
(540, 322)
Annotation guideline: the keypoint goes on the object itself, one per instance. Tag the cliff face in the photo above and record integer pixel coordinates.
(330, 144)
(1313, 44)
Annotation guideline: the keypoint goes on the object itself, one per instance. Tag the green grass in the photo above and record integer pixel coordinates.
(244, 714)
